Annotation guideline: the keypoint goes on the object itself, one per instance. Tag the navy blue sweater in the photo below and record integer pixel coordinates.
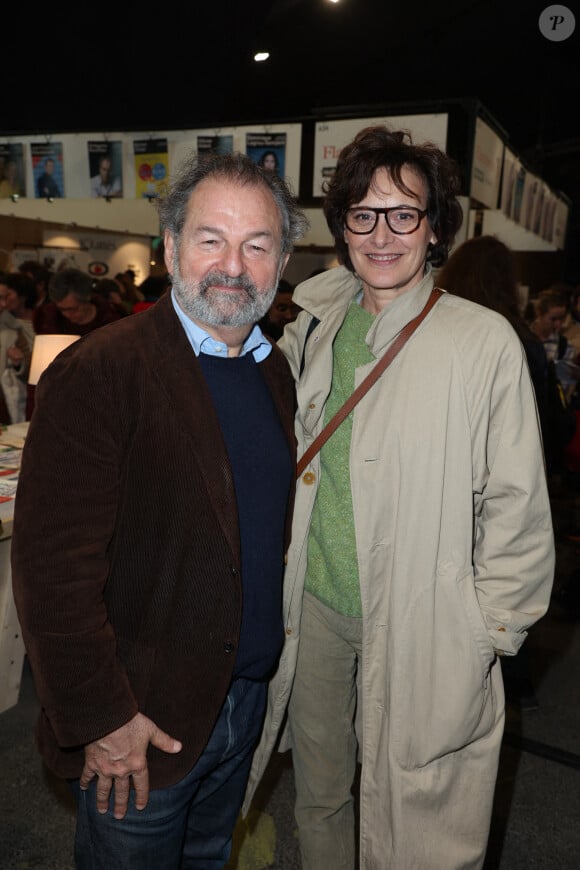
(262, 472)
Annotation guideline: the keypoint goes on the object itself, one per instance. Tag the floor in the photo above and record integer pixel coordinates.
(536, 821)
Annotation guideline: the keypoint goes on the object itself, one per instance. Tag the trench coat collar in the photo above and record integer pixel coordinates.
(331, 292)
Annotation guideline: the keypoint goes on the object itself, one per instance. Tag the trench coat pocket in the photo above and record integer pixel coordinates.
(441, 685)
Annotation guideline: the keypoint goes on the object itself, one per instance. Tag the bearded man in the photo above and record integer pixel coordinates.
(162, 450)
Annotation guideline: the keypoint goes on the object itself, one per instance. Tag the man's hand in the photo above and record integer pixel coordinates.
(120, 755)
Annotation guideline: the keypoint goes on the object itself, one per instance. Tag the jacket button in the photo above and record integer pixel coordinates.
(312, 406)
(308, 478)
(228, 647)
(288, 631)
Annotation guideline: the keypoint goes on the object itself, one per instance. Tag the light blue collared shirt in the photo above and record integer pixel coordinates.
(201, 340)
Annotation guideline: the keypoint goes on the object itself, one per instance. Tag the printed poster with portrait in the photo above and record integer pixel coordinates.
(331, 136)
(47, 169)
(151, 167)
(12, 176)
(105, 168)
(215, 144)
(268, 150)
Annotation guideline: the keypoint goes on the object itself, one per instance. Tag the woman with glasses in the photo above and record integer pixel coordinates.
(422, 542)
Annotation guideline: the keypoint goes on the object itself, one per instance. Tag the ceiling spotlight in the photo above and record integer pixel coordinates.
(261, 56)
(14, 197)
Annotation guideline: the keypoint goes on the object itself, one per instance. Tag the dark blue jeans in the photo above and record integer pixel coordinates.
(187, 826)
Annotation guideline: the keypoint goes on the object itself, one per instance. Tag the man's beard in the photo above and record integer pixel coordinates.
(215, 308)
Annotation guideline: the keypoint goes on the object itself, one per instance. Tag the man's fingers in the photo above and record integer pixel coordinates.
(163, 741)
(86, 777)
(104, 785)
(141, 786)
(122, 788)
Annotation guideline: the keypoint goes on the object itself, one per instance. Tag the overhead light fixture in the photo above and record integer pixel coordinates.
(261, 56)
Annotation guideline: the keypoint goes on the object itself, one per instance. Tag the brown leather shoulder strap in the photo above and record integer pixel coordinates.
(368, 382)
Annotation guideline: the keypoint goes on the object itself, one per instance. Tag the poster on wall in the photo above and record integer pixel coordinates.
(215, 144)
(151, 167)
(509, 172)
(106, 168)
(531, 191)
(47, 169)
(486, 164)
(540, 202)
(331, 136)
(518, 193)
(268, 150)
(12, 170)
(560, 225)
(548, 212)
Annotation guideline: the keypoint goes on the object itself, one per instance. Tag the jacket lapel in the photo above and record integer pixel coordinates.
(179, 373)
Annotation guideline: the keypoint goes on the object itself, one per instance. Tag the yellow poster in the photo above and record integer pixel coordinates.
(151, 167)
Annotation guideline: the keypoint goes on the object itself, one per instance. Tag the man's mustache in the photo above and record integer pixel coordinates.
(236, 282)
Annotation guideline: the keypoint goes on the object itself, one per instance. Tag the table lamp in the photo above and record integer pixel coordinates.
(44, 350)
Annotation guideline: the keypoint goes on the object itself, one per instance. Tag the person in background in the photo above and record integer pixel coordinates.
(17, 296)
(41, 276)
(105, 183)
(109, 289)
(20, 300)
(152, 288)
(46, 186)
(153, 622)
(133, 293)
(422, 546)
(283, 310)
(74, 308)
(483, 269)
(551, 312)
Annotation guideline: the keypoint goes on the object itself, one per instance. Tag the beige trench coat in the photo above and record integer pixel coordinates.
(456, 561)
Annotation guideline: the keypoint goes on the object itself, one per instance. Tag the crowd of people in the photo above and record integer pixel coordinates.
(35, 300)
(214, 602)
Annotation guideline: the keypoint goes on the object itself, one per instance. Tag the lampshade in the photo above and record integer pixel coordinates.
(44, 350)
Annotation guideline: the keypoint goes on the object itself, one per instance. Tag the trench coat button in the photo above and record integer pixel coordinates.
(288, 631)
(285, 558)
(308, 478)
(228, 647)
(312, 405)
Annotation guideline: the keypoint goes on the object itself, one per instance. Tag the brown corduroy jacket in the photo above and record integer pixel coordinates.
(125, 549)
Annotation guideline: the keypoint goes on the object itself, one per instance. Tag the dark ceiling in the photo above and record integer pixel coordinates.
(153, 67)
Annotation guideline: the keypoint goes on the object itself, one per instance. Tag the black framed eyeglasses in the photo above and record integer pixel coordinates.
(401, 219)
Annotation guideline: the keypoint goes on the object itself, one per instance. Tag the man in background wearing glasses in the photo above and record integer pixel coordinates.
(421, 536)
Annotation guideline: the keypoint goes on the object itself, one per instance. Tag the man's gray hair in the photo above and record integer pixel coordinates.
(236, 168)
(71, 281)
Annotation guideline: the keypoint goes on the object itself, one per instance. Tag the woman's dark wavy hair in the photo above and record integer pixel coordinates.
(484, 270)
(378, 147)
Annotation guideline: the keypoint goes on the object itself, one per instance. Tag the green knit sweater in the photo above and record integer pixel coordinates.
(332, 572)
